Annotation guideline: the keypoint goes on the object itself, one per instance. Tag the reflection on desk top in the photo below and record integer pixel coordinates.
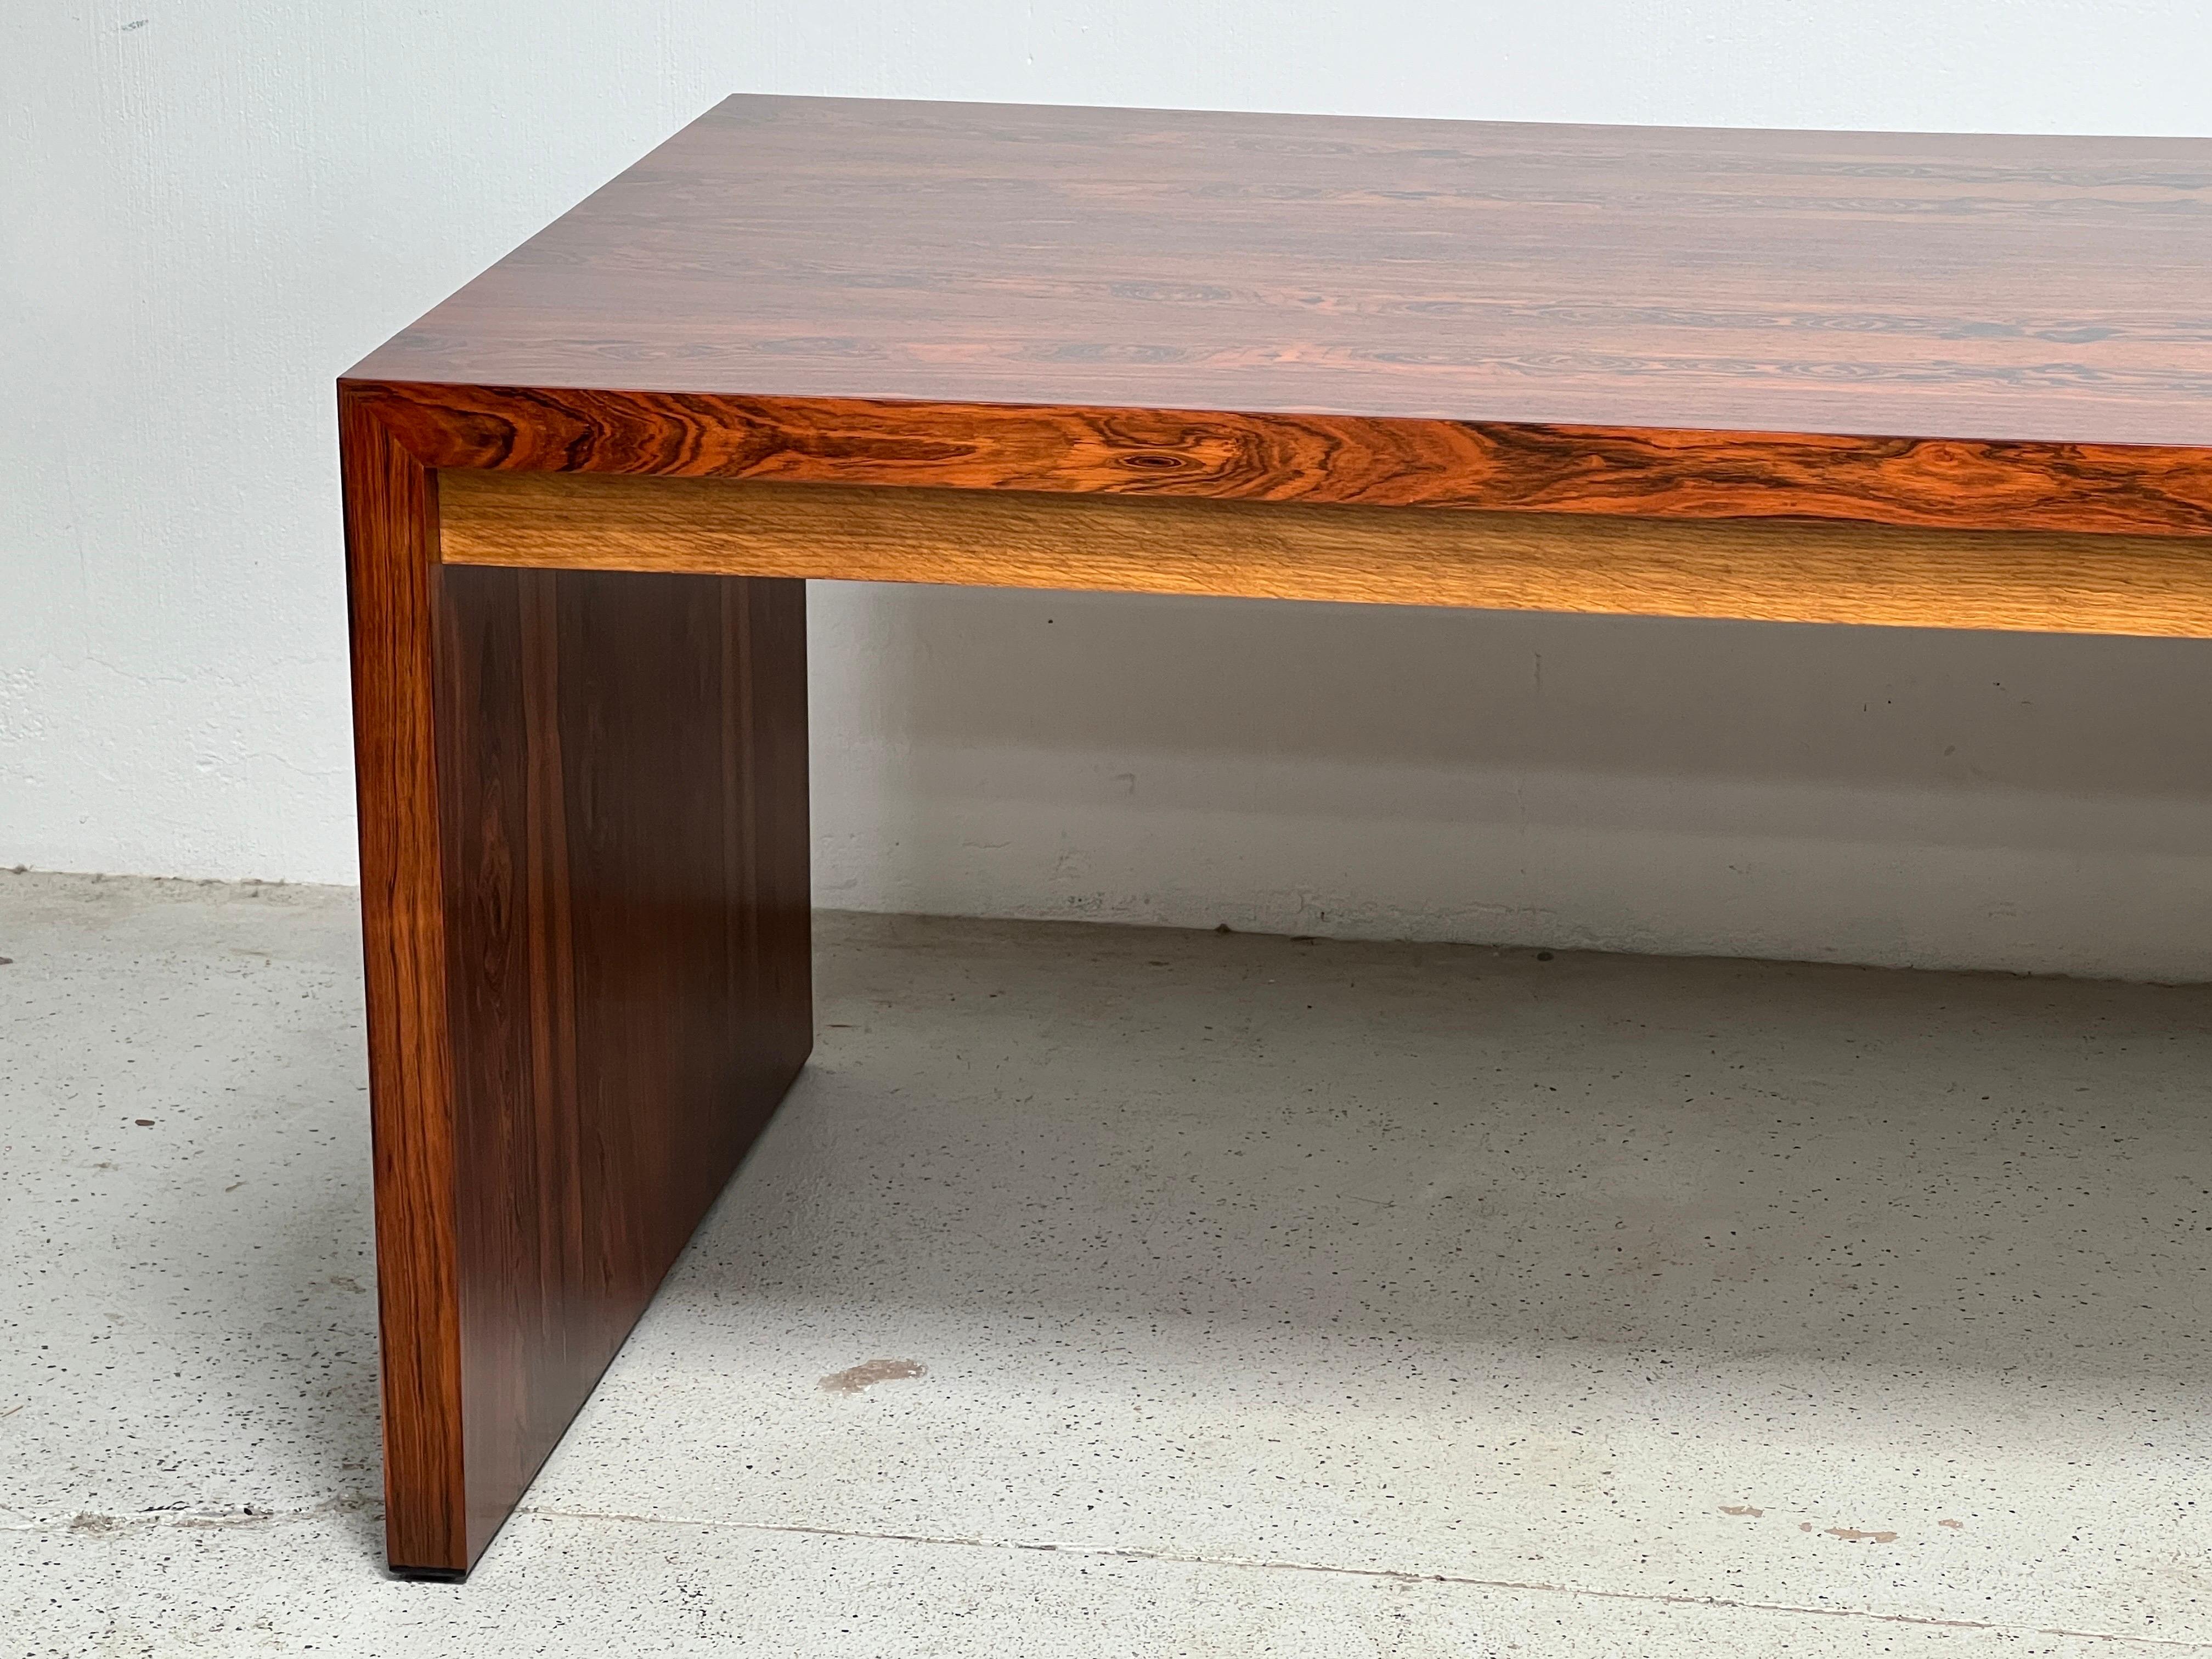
(804, 257)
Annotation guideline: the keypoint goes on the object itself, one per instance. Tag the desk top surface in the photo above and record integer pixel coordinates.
(2051, 290)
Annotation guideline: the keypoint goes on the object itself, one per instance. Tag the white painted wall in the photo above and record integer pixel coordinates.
(211, 208)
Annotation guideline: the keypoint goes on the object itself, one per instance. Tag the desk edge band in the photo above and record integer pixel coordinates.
(2143, 490)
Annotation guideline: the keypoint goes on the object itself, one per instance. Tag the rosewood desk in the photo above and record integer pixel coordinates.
(1960, 382)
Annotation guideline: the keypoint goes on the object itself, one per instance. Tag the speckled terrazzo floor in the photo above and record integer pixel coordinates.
(1108, 1291)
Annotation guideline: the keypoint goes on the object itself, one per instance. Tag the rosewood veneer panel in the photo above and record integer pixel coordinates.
(1971, 331)
(626, 900)
(585, 853)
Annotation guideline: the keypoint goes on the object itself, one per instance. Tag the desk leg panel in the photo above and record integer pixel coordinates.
(625, 947)
(623, 810)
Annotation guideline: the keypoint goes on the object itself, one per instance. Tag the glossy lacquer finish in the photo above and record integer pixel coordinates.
(1982, 331)
(625, 858)
(584, 851)
(583, 788)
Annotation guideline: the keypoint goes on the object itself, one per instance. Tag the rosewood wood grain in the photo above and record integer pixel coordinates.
(625, 814)
(1100, 347)
(585, 855)
(1773, 570)
(1951, 483)
(391, 522)
(1965, 331)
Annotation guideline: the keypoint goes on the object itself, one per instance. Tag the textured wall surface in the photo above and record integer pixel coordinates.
(214, 208)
